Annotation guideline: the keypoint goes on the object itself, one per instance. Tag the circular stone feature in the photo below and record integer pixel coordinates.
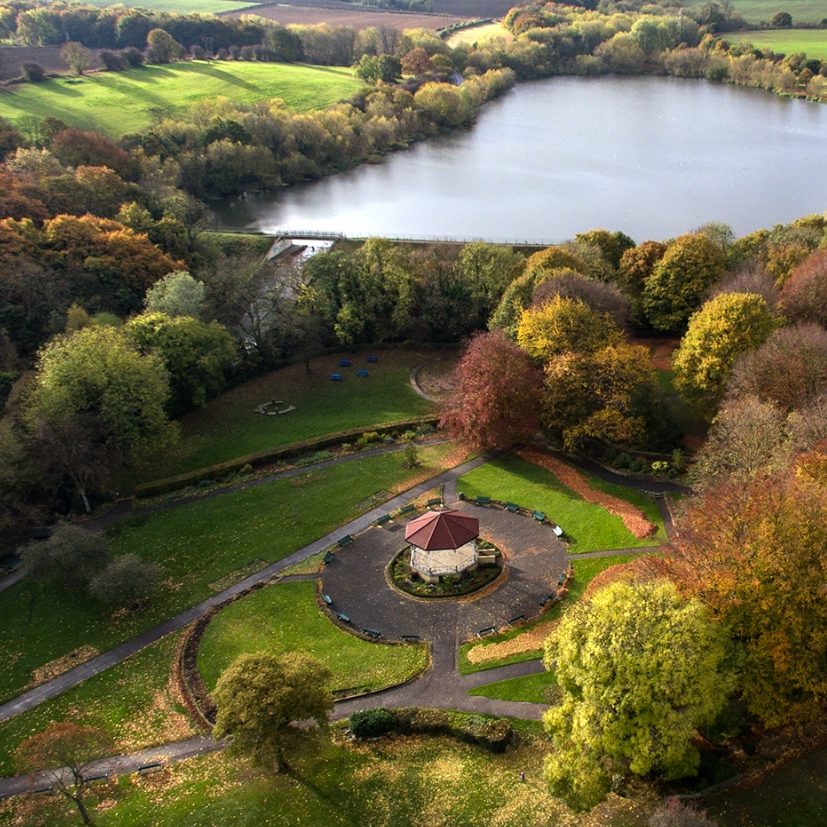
(405, 577)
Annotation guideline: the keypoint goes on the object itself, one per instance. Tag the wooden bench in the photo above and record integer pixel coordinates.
(385, 518)
(512, 507)
(343, 617)
(374, 633)
(407, 509)
(411, 638)
(345, 541)
(482, 500)
(516, 619)
(434, 501)
(488, 630)
(539, 516)
(327, 598)
(328, 557)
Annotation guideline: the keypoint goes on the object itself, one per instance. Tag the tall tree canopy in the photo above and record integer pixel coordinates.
(640, 669)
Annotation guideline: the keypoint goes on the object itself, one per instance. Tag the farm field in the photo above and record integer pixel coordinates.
(180, 6)
(390, 781)
(813, 42)
(347, 14)
(123, 102)
(591, 527)
(201, 548)
(762, 11)
(285, 618)
(228, 426)
(479, 34)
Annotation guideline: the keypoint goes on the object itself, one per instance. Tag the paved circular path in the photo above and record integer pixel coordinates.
(535, 559)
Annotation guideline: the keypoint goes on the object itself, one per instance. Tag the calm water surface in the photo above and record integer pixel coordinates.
(653, 157)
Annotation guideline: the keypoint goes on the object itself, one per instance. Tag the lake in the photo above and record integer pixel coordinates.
(653, 157)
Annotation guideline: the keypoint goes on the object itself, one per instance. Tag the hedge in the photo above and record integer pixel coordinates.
(225, 469)
(493, 734)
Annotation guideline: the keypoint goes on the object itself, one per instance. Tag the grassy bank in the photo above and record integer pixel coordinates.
(229, 427)
(813, 42)
(285, 618)
(201, 548)
(122, 102)
(591, 527)
(763, 11)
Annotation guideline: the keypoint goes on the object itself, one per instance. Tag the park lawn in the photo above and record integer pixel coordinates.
(228, 426)
(286, 618)
(535, 689)
(134, 702)
(122, 102)
(762, 11)
(180, 6)
(813, 42)
(585, 571)
(198, 544)
(392, 782)
(591, 527)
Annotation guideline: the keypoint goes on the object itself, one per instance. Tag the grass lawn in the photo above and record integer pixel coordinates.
(122, 102)
(591, 527)
(536, 689)
(427, 782)
(228, 427)
(479, 34)
(762, 11)
(584, 571)
(196, 545)
(133, 702)
(813, 42)
(179, 6)
(286, 618)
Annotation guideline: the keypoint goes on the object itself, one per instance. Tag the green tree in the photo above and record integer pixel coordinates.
(126, 581)
(718, 333)
(488, 269)
(197, 355)
(258, 696)
(69, 559)
(97, 374)
(639, 669)
(679, 280)
(78, 58)
(161, 47)
(177, 294)
(564, 325)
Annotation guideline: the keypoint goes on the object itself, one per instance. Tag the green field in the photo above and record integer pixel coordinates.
(229, 427)
(535, 689)
(179, 6)
(131, 701)
(479, 34)
(122, 102)
(285, 618)
(762, 11)
(813, 42)
(591, 527)
(396, 782)
(197, 545)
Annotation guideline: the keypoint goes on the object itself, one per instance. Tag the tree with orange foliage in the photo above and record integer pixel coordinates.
(754, 553)
(497, 400)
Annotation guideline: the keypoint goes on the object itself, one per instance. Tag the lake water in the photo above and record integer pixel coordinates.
(653, 157)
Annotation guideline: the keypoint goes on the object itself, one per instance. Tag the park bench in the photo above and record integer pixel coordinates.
(407, 509)
(385, 518)
(343, 617)
(372, 357)
(328, 557)
(344, 363)
(488, 630)
(482, 500)
(361, 373)
(558, 532)
(516, 619)
(327, 598)
(539, 516)
(345, 541)
(336, 377)
(548, 598)
(411, 638)
(374, 633)
(434, 501)
(512, 507)
(145, 768)
(561, 579)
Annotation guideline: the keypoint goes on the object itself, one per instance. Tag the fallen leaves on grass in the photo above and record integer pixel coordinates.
(529, 641)
(60, 665)
(633, 571)
(633, 518)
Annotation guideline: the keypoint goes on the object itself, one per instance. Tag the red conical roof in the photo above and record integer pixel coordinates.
(438, 530)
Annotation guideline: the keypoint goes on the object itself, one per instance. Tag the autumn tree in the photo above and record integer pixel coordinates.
(640, 669)
(725, 327)
(497, 397)
(612, 245)
(258, 697)
(564, 325)
(161, 47)
(636, 265)
(804, 294)
(754, 554)
(789, 369)
(679, 280)
(752, 278)
(78, 58)
(515, 299)
(79, 147)
(177, 294)
(68, 751)
(609, 395)
(540, 264)
(598, 295)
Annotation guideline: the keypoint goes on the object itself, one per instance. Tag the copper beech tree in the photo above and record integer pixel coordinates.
(498, 394)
